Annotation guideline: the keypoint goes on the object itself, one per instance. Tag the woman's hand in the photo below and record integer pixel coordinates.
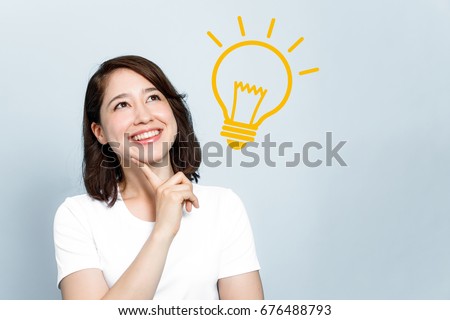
(170, 196)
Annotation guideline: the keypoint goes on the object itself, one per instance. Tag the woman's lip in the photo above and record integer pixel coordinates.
(144, 131)
(148, 140)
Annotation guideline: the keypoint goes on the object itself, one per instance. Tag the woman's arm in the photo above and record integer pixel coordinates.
(139, 281)
(246, 286)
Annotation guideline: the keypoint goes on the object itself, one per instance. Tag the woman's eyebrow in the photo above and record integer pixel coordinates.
(124, 95)
(149, 90)
(120, 96)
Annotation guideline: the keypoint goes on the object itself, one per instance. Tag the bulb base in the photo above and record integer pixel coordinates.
(238, 133)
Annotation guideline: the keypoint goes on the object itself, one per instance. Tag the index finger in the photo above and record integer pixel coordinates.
(154, 180)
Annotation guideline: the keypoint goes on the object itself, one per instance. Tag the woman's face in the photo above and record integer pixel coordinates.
(136, 119)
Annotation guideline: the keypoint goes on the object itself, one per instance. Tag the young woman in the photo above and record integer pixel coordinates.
(143, 230)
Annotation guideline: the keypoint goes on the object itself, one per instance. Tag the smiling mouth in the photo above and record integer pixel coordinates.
(146, 135)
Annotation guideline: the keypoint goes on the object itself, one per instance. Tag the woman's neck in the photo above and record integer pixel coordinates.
(136, 183)
(138, 194)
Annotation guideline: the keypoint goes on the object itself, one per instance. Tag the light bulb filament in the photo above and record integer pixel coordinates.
(240, 86)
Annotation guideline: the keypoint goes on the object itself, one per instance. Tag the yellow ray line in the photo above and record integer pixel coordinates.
(295, 44)
(272, 23)
(303, 72)
(213, 37)
(241, 26)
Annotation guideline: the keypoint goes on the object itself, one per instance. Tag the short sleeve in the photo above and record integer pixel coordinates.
(238, 247)
(75, 248)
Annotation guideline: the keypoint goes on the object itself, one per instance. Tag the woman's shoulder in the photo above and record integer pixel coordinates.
(80, 206)
(212, 191)
(207, 188)
(217, 196)
(82, 200)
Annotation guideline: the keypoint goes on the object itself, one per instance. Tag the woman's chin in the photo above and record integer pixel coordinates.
(156, 161)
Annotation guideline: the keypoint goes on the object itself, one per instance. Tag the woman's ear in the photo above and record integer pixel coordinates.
(97, 130)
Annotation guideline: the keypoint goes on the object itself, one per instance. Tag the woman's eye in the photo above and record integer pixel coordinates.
(153, 97)
(121, 105)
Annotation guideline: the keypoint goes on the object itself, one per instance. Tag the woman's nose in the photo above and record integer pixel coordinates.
(142, 114)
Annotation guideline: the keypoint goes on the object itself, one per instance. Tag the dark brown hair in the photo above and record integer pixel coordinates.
(101, 166)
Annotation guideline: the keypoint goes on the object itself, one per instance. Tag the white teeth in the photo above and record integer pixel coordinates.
(146, 135)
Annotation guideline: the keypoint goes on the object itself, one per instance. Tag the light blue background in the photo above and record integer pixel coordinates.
(377, 229)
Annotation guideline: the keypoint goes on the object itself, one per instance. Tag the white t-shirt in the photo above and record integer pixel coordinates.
(214, 242)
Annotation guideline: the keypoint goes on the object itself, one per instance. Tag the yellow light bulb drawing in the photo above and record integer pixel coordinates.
(239, 133)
